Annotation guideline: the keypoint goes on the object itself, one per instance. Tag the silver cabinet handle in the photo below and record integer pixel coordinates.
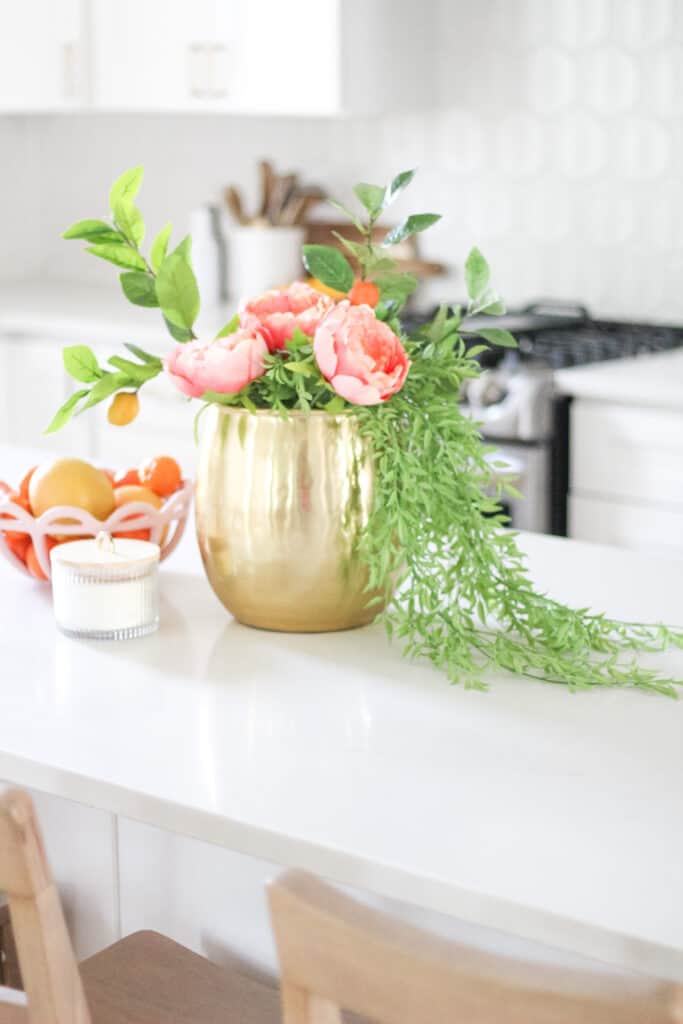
(198, 70)
(69, 70)
(217, 58)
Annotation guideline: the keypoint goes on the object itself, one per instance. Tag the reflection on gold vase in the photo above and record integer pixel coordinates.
(280, 506)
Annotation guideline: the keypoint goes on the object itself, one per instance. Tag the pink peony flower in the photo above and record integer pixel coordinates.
(276, 314)
(226, 365)
(360, 355)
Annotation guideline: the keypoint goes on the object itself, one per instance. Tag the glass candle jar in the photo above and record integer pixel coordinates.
(106, 589)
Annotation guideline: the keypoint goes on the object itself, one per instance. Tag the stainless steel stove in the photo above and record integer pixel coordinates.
(516, 403)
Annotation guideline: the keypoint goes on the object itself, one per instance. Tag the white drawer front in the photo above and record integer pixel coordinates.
(651, 528)
(627, 452)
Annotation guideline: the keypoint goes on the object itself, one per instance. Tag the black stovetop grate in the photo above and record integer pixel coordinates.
(579, 341)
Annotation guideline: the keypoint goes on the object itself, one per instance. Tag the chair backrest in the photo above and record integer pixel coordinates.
(336, 954)
(46, 958)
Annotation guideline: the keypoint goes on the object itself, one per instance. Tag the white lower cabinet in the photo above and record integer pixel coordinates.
(626, 476)
(33, 385)
(82, 851)
(641, 527)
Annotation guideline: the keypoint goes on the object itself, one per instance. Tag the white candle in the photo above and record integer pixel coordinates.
(106, 589)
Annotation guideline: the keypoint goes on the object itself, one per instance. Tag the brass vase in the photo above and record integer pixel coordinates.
(280, 505)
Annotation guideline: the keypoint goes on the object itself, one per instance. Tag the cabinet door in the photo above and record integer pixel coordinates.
(42, 58)
(639, 526)
(152, 55)
(33, 387)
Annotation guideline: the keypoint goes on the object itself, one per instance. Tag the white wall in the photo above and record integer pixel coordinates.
(557, 147)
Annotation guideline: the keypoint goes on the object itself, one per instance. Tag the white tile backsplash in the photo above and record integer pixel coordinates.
(556, 145)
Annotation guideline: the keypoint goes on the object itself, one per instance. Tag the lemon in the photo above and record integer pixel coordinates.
(123, 409)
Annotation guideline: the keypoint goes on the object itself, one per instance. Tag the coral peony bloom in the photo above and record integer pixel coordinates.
(276, 314)
(226, 365)
(360, 355)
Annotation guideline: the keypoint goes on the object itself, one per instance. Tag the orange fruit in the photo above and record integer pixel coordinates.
(313, 282)
(126, 476)
(5, 489)
(162, 474)
(123, 409)
(110, 475)
(32, 563)
(16, 498)
(364, 293)
(18, 544)
(26, 480)
(129, 493)
(71, 482)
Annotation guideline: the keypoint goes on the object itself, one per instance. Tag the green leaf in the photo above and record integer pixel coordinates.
(146, 357)
(400, 182)
(305, 369)
(105, 387)
(63, 415)
(230, 328)
(477, 274)
(329, 265)
(395, 286)
(138, 287)
(94, 231)
(335, 405)
(126, 187)
(497, 336)
(177, 290)
(138, 373)
(371, 196)
(410, 226)
(130, 222)
(80, 362)
(119, 255)
(159, 247)
(348, 213)
(184, 249)
(178, 333)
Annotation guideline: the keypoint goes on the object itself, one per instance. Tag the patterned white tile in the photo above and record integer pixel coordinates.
(643, 148)
(551, 80)
(577, 23)
(638, 24)
(460, 142)
(608, 80)
(520, 144)
(580, 145)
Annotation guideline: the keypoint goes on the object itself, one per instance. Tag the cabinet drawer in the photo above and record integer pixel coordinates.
(651, 528)
(627, 452)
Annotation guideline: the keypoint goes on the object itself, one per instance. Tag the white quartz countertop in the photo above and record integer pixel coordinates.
(646, 380)
(553, 816)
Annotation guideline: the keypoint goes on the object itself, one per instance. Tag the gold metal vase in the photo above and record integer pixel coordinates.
(280, 506)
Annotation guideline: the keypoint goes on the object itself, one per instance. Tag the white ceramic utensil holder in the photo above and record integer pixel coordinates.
(260, 258)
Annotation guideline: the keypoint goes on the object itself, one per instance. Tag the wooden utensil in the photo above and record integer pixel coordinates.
(233, 199)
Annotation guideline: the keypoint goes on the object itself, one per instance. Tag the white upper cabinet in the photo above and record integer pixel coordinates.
(43, 56)
(260, 56)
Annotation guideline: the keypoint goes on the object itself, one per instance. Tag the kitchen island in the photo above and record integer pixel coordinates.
(537, 813)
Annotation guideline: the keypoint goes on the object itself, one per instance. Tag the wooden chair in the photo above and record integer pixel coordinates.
(143, 979)
(337, 954)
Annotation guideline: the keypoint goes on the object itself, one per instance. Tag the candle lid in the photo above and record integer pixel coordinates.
(104, 551)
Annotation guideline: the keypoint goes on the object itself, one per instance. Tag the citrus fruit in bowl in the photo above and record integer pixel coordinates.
(68, 499)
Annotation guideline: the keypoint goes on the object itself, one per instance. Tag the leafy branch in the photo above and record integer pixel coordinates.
(166, 280)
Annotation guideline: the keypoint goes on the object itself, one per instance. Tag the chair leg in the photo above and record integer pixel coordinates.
(10, 975)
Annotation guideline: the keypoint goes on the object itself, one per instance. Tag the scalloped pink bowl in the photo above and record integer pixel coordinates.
(136, 515)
